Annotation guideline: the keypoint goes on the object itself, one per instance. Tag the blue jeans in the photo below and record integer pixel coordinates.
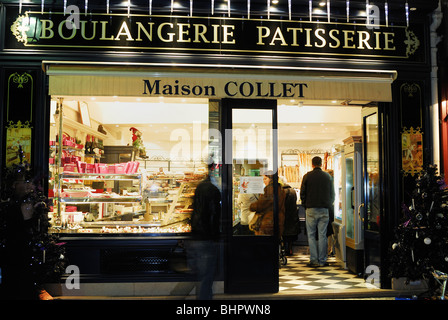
(317, 218)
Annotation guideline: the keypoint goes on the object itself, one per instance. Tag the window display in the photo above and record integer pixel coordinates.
(112, 181)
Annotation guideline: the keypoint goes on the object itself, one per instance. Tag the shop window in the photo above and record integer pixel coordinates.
(129, 165)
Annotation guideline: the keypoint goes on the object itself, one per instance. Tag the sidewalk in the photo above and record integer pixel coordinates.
(352, 294)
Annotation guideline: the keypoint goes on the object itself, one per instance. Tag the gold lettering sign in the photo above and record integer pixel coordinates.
(214, 35)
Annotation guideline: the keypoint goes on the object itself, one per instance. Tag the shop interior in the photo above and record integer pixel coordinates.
(131, 164)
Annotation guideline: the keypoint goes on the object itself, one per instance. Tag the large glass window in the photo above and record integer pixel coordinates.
(129, 165)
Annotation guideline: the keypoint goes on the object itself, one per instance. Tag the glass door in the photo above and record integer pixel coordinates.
(250, 158)
(349, 200)
(372, 167)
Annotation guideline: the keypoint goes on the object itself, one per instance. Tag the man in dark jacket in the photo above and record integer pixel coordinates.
(205, 229)
(317, 195)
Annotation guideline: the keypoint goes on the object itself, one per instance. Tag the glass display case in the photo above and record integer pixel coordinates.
(353, 192)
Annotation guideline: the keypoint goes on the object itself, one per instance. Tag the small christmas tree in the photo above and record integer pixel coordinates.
(29, 255)
(421, 240)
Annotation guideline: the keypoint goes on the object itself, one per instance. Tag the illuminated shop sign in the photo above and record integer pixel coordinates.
(213, 35)
(212, 85)
(255, 89)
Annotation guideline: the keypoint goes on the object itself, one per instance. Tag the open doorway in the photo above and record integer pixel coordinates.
(326, 129)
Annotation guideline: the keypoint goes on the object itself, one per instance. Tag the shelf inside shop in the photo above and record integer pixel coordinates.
(99, 176)
(102, 199)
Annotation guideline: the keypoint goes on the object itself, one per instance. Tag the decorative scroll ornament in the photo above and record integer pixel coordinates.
(20, 79)
(412, 43)
(19, 125)
(410, 89)
(412, 151)
(19, 29)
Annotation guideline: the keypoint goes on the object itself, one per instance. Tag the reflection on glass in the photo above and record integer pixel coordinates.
(349, 198)
(373, 198)
(338, 187)
(252, 150)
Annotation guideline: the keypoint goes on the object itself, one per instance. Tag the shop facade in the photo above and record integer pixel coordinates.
(221, 87)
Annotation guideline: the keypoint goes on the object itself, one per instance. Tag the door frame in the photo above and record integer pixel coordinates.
(251, 263)
(374, 241)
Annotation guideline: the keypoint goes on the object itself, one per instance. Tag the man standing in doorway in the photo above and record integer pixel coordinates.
(317, 195)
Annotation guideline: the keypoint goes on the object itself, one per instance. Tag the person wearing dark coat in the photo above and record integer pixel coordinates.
(292, 227)
(264, 209)
(317, 195)
(202, 250)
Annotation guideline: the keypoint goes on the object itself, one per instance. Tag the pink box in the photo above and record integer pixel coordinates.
(111, 168)
(70, 167)
(80, 164)
(119, 168)
(102, 168)
(136, 165)
(90, 168)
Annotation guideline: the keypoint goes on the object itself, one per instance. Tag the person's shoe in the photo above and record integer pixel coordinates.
(326, 264)
(312, 265)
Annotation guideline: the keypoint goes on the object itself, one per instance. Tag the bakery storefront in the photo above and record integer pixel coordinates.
(123, 111)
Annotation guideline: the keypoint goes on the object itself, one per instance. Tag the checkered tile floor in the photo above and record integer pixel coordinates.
(296, 275)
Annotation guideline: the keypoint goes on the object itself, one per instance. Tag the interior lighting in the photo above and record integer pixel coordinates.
(310, 8)
(406, 8)
(289, 9)
(386, 12)
(269, 9)
(347, 9)
(367, 12)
